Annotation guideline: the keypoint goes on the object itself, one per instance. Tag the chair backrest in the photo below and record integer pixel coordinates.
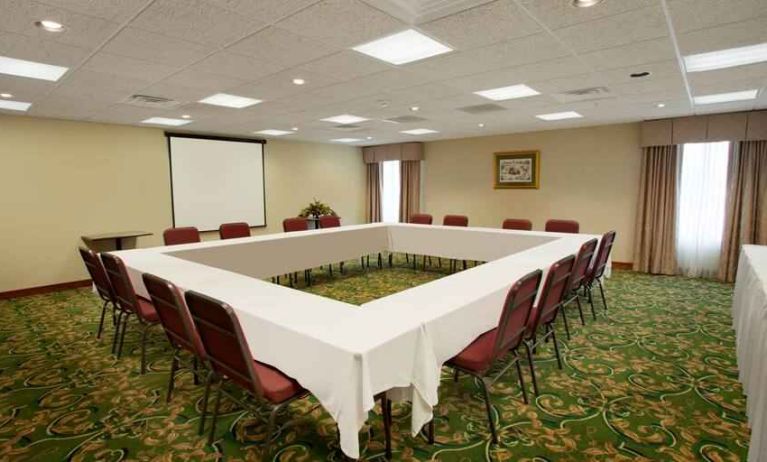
(98, 274)
(552, 293)
(234, 230)
(174, 314)
(125, 297)
(603, 255)
(562, 226)
(582, 264)
(421, 219)
(455, 220)
(329, 221)
(517, 223)
(516, 313)
(184, 235)
(295, 224)
(225, 345)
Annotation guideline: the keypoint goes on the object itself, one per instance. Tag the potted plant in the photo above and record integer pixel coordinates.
(316, 209)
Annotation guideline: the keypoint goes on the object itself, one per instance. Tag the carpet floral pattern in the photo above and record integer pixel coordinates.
(653, 379)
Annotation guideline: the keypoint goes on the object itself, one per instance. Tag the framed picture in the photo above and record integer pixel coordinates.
(517, 170)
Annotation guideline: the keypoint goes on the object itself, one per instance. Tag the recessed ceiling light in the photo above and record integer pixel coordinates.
(726, 97)
(510, 92)
(346, 140)
(370, 137)
(6, 95)
(299, 81)
(186, 116)
(403, 47)
(586, 3)
(166, 121)
(50, 26)
(295, 129)
(480, 125)
(273, 132)
(419, 131)
(414, 108)
(660, 105)
(639, 75)
(344, 119)
(31, 69)
(559, 115)
(723, 59)
(14, 105)
(226, 100)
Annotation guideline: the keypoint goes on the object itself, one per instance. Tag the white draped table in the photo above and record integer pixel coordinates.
(345, 354)
(749, 315)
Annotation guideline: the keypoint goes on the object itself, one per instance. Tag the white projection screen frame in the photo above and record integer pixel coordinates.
(216, 180)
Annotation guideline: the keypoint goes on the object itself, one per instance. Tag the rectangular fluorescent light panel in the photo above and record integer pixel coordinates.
(723, 59)
(346, 140)
(419, 131)
(559, 115)
(344, 119)
(726, 97)
(31, 69)
(166, 121)
(273, 132)
(510, 92)
(223, 99)
(403, 47)
(14, 105)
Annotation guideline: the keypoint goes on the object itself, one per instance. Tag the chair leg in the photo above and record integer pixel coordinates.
(431, 431)
(206, 394)
(580, 308)
(414, 262)
(556, 346)
(456, 372)
(101, 322)
(143, 348)
(591, 302)
(489, 409)
(122, 335)
(602, 292)
(407, 258)
(387, 421)
(118, 323)
(380, 260)
(172, 379)
(391, 260)
(270, 429)
(342, 267)
(330, 267)
(424, 262)
(464, 265)
(216, 408)
(195, 371)
(564, 318)
(521, 378)
(531, 363)
(439, 262)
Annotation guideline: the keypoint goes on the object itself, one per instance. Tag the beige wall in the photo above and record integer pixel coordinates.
(587, 174)
(62, 179)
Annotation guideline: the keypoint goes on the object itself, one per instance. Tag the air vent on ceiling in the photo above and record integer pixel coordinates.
(405, 119)
(583, 94)
(482, 108)
(151, 101)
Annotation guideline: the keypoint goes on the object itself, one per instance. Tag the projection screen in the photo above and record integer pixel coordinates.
(215, 181)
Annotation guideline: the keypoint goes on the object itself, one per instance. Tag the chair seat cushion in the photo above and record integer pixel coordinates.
(277, 387)
(147, 311)
(477, 356)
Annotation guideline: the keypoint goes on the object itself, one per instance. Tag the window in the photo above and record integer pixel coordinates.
(700, 207)
(390, 195)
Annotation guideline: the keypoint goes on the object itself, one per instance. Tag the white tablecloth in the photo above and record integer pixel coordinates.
(749, 315)
(345, 354)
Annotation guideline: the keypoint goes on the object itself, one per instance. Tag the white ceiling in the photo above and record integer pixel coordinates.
(189, 49)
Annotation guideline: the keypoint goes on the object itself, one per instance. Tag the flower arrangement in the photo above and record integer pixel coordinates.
(316, 209)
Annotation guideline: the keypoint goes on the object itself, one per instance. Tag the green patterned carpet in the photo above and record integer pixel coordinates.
(654, 380)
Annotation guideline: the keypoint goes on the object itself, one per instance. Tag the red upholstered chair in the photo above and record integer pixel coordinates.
(421, 219)
(290, 225)
(519, 224)
(597, 269)
(185, 235)
(581, 266)
(455, 220)
(229, 359)
(545, 312)
(330, 221)
(128, 303)
(177, 323)
(562, 226)
(101, 281)
(234, 230)
(485, 351)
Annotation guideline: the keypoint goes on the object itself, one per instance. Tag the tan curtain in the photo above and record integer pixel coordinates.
(746, 209)
(373, 193)
(410, 189)
(655, 237)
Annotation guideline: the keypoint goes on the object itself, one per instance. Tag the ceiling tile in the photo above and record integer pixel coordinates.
(141, 44)
(36, 49)
(499, 21)
(756, 73)
(345, 65)
(235, 65)
(690, 15)
(112, 10)
(214, 83)
(281, 46)
(109, 63)
(107, 87)
(526, 73)
(633, 54)
(343, 23)
(195, 21)
(556, 14)
(265, 11)
(28, 90)
(66, 107)
(732, 35)
(281, 85)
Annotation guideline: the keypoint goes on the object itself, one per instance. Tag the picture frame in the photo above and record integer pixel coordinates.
(517, 169)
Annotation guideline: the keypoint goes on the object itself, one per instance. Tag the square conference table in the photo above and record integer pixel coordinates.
(346, 354)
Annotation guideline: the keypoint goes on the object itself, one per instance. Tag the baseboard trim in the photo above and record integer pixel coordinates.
(44, 289)
(623, 265)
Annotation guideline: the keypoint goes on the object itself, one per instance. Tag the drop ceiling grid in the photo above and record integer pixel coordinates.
(188, 49)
